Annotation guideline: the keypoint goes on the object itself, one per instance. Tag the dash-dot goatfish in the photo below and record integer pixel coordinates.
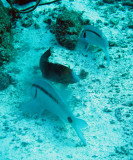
(93, 36)
(46, 97)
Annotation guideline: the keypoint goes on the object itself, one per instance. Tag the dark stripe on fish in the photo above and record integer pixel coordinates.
(69, 119)
(44, 91)
(93, 32)
(84, 35)
(35, 93)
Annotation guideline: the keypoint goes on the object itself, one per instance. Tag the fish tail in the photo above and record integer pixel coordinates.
(45, 56)
(77, 125)
(44, 61)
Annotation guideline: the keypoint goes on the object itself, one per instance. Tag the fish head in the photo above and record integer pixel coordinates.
(93, 36)
(69, 76)
(83, 36)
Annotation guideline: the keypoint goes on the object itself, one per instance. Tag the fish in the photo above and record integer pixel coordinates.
(91, 35)
(45, 97)
(56, 72)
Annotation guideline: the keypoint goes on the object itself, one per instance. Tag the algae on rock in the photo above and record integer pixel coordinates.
(68, 28)
(6, 48)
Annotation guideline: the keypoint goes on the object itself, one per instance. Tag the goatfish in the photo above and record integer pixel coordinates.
(46, 97)
(56, 72)
(93, 36)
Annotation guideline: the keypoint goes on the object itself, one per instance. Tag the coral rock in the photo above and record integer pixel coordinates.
(68, 27)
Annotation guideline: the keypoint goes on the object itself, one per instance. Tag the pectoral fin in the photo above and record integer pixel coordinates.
(32, 107)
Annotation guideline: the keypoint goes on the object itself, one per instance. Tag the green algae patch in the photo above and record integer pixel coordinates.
(68, 28)
(5, 80)
(6, 48)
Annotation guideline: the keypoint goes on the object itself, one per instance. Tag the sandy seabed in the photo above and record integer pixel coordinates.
(104, 99)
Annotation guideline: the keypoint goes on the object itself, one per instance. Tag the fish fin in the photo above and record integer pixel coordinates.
(94, 29)
(64, 91)
(87, 47)
(82, 45)
(32, 107)
(77, 125)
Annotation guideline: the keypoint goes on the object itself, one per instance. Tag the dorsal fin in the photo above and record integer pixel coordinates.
(95, 30)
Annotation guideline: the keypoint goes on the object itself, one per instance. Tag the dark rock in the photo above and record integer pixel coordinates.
(5, 55)
(24, 144)
(124, 74)
(128, 103)
(127, 115)
(86, 22)
(94, 156)
(108, 1)
(68, 27)
(27, 22)
(114, 21)
(6, 49)
(69, 156)
(39, 140)
(101, 66)
(107, 110)
(112, 122)
(36, 25)
(5, 81)
(122, 150)
(48, 21)
(127, 3)
(5, 19)
(99, 3)
(83, 74)
(130, 24)
(106, 23)
(118, 114)
(112, 44)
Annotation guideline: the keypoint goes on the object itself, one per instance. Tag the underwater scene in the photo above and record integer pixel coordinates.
(66, 80)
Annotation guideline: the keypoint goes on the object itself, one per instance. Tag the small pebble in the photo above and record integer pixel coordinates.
(128, 103)
(107, 110)
(83, 74)
(122, 150)
(112, 122)
(118, 114)
(24, 144)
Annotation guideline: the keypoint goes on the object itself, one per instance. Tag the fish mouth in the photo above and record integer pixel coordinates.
(75, 77)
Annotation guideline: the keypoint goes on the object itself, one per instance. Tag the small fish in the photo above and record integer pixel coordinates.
(56, 72)
(93, 36)
(45, 97)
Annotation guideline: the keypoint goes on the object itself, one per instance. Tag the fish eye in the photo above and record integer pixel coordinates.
(84, 35)
(69, 119)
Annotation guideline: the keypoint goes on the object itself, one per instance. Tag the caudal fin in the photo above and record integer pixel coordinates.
(77, 125)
